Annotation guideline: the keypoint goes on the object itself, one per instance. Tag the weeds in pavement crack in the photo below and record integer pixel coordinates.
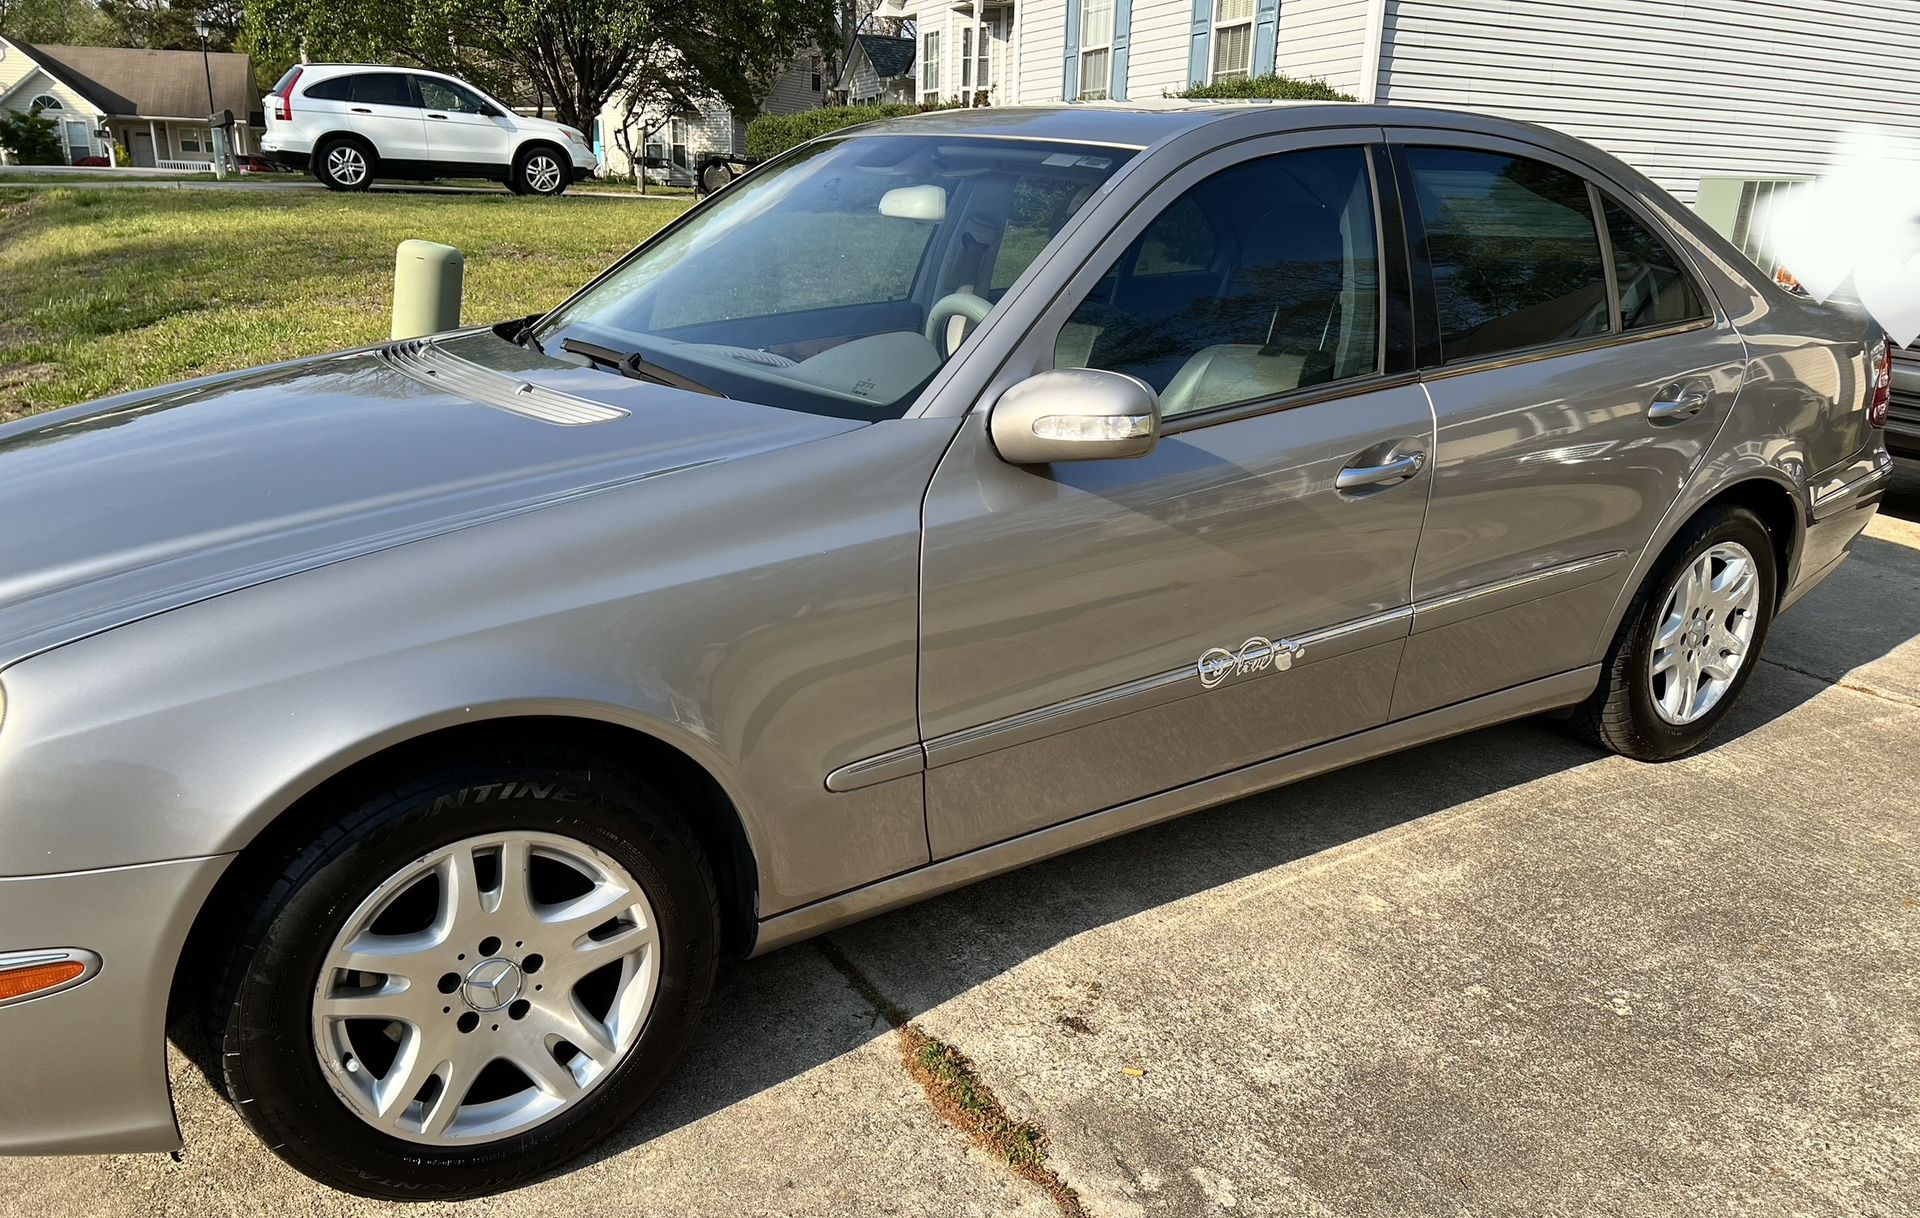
(957, 1093)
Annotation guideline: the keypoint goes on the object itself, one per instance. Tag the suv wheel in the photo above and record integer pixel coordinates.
(1689, 642)
(343, 165)
(540, 171)
(468, 978)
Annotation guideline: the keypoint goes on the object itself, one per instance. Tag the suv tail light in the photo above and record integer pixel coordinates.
(1880, 363)
(285, 99)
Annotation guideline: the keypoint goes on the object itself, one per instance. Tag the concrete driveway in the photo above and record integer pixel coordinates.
(1498, 975)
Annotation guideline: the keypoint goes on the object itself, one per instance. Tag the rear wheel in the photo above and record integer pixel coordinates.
(1689, 641)
(469, 978)
(344, 165)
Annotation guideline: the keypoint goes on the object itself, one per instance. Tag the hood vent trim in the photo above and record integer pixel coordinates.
(432, 365)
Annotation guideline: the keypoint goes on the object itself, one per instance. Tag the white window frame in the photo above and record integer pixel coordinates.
(1222, 23)
(1104, 49)
(45, 101)
(930, 66)
(183, 134)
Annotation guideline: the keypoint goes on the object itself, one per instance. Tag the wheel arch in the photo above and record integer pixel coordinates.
(347, 137)
(711, 811)
(534, 143)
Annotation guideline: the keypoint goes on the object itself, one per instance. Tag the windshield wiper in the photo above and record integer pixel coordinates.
(635, 366)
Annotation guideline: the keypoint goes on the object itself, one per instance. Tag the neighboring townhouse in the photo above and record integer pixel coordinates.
(683, 140)
(1679, 88)
(152, 103)
(879, 68)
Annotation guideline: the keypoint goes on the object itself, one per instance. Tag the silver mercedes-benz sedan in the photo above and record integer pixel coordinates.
(423, 723)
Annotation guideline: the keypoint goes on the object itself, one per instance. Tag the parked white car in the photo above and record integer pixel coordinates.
(352, 123)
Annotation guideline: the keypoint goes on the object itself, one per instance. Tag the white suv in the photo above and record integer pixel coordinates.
(350, 123)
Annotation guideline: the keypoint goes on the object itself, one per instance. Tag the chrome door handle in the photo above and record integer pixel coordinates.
(1355, 476)
(1683, 407)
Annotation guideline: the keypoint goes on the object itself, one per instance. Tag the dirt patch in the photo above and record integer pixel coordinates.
(958, 1094)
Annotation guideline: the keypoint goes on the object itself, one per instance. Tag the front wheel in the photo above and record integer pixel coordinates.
(1689, 641)
(540, 172)
(470, 978)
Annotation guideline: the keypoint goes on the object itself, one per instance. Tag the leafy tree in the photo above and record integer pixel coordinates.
(576, 54)
(56, 21)
(30, 139)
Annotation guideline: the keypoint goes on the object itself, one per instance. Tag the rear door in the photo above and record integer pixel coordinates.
(1094, 632)
(381, 106)
(1577, 371)
(461, 128)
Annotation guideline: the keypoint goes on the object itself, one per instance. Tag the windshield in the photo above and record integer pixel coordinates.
(838, 280)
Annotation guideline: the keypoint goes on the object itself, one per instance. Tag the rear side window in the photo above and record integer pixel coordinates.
(340, 89)
(1514, 250)
(382, 89)
(1654, 289)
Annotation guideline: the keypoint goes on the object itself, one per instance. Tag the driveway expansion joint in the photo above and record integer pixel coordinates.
(955, 1090)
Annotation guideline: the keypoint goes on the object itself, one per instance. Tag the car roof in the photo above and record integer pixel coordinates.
(1141, 124)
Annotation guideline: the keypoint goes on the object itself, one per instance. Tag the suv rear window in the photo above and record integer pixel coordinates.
(286, 78)
(340, 88)
(383, 89)
(1515, 253)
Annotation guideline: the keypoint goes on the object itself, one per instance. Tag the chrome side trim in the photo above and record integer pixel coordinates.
(1145, 692)
(883, 767)
(433, 365)
(1483, 598)
(948, 874)
(50, 955)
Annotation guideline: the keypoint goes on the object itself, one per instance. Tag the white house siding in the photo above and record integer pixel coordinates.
(1676, 88)
(1322, 40)
(1157, 48)
(1043, 46)
(15, 68)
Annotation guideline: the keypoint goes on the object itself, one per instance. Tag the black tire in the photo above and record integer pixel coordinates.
(1621, 715)
(716, 175)
(264, 989)
(337, 172)
(541, 170)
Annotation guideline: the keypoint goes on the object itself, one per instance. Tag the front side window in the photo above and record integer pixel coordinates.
(383, 89)
(1654, 289)
(444, 95)
(930, 65)
(1096, 49)
(1232, 38)
(829, 281)
(1262, 280)
(1514, 251)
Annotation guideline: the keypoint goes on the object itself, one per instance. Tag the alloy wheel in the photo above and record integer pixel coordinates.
(1705, 632)
(543, 174)
(486, 988)
(347, 165)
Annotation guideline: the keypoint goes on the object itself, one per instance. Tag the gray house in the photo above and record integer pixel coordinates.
(878, 69)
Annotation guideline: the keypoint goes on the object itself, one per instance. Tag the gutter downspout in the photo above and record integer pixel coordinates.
(1370, 51)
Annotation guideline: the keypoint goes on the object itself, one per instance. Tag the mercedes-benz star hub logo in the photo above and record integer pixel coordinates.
(491, 984)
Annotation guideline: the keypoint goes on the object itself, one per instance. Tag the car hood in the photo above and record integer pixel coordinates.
(139, 504)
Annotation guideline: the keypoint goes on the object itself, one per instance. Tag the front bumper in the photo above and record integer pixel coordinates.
(84, 1069)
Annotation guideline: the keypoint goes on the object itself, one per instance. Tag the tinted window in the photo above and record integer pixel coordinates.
(382, 89)
(445, 95)
(1654, 290)
(1261, 280)
(340, 88)
(1516, 257)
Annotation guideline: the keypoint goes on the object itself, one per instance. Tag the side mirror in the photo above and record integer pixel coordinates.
(1075, 414)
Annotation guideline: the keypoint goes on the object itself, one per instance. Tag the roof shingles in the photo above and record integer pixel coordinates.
(126, 82)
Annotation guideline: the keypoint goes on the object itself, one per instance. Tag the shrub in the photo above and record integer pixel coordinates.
(30, 139)
(772, 134)
(1285, 88)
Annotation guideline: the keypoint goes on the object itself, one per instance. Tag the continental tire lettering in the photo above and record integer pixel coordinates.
(498, 792)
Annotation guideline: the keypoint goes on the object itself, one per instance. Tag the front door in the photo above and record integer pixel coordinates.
(1577, 371)
(1099, 631)
(460, 128)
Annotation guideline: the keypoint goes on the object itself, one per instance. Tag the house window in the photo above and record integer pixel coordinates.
(930, 66)
(976, 62)
(189, 140)
(677, 144)
(1096, 49)
(46, 101)
(1232, 39)
(79, 140)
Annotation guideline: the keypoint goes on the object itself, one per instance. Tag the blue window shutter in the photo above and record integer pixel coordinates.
(1122, 27)
(1070, 74)
(1202, 34)
(1265, 24)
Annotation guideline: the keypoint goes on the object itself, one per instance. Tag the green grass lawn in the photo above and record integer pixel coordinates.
(103, 291)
